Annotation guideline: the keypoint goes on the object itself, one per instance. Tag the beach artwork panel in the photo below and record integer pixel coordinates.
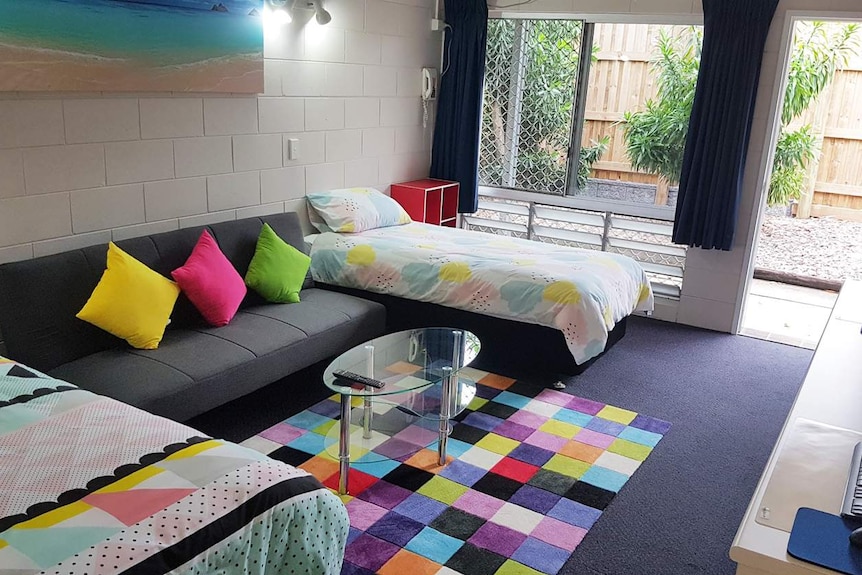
(131, 45)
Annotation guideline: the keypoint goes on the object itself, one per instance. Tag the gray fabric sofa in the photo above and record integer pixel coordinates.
(196, 367)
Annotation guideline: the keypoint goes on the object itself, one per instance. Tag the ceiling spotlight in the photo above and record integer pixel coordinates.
(320, 13)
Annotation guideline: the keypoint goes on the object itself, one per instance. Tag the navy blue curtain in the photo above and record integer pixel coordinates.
(734, 35)
(455, 155)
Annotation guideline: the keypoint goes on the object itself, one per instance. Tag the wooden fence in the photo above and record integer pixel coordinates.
(623, 79)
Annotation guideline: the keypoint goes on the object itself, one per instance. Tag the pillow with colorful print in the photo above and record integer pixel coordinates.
(355, 210)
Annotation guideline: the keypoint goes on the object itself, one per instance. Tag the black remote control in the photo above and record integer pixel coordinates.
(357, 379)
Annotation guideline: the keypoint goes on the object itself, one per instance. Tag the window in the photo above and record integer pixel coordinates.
(621, 111)
(546, 104)
(531, 79)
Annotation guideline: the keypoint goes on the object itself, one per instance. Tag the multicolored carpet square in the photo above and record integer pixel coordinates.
(530, 471)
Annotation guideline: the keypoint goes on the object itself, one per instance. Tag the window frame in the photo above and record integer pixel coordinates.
(570, 198)
(579, 106)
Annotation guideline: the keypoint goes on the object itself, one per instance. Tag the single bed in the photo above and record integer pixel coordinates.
(90, 485)
(582, 293)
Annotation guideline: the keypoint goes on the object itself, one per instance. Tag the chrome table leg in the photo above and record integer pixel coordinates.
(344, 444)
(367, 411)
(445, 412)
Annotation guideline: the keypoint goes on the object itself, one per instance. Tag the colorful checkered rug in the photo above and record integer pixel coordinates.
(530, 472)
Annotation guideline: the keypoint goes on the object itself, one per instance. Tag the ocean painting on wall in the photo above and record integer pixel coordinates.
(131, 45)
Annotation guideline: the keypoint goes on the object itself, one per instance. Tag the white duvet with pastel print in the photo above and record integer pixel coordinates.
(583, 293)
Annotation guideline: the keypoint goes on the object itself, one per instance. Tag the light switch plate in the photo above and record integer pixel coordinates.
(293, 148)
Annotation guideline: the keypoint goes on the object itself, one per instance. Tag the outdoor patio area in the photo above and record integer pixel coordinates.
(787, 314)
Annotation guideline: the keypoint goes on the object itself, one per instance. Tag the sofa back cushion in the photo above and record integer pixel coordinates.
(40, 297)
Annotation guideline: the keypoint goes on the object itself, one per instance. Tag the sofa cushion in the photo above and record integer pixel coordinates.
(292, 234)
(210, 281)
(145, 377)
(278, 270)
(131, 301)
(317, 311)
(41, 330)
(351, 306)
(258, 334)
(197, 369)
(238, 242)
(135, 379)
(198, 355)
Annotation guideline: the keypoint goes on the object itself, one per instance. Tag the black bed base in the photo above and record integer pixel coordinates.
(507, 346)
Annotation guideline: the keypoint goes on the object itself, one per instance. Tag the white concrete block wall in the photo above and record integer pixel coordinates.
(12, 167)
(175, 198)
(106, 208)
(81, 169)
(32, 123)
(59, 168)
(97, 120)
(171, 117)
(139, 161)
(203, 156)
(257, 152)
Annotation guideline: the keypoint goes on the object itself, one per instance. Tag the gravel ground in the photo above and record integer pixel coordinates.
(820, 247)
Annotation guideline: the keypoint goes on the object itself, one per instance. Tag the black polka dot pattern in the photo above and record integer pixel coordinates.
(305, 535)
(480, 301)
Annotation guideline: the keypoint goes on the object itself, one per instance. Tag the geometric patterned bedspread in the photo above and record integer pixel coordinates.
(90, 485)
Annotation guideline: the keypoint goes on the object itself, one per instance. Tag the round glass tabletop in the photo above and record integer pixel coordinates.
(404, 361)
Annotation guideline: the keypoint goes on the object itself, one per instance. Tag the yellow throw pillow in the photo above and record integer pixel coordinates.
(131, 301)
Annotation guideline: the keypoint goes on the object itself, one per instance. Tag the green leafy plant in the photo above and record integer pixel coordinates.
(655, 136)
(589, 156)
(795, 148)
(818, 52)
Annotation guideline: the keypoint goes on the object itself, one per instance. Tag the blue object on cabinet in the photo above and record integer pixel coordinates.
(823, 539)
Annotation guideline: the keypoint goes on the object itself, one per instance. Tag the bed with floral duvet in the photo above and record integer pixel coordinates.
(582, 293)
(90, 485)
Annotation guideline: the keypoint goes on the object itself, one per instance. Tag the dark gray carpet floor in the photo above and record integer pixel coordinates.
(726, 396)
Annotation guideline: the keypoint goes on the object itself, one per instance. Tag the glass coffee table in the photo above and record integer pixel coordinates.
(422, 389)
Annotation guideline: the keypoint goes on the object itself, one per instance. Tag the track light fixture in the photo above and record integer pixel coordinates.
(320, 13)
(284, 11)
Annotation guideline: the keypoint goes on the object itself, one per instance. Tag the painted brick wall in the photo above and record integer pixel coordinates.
(82, 169)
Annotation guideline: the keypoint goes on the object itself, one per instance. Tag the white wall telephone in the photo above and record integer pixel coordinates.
(429, 83)
(429, 91)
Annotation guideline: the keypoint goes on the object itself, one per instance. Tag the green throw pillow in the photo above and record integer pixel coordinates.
(277, 269)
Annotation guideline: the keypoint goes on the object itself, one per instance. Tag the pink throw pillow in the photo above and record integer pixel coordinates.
(210, 282)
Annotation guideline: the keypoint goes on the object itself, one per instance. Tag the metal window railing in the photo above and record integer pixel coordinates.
(644, 239)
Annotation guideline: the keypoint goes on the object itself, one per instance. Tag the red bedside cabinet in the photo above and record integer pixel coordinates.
(430, 201)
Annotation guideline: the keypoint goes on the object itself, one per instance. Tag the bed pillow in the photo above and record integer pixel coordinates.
(210, 282)
(277, 270)
(131, 301)
(356, 210)
(317, 221)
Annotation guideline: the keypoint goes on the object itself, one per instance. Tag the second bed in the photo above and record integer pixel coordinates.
(582, 293)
